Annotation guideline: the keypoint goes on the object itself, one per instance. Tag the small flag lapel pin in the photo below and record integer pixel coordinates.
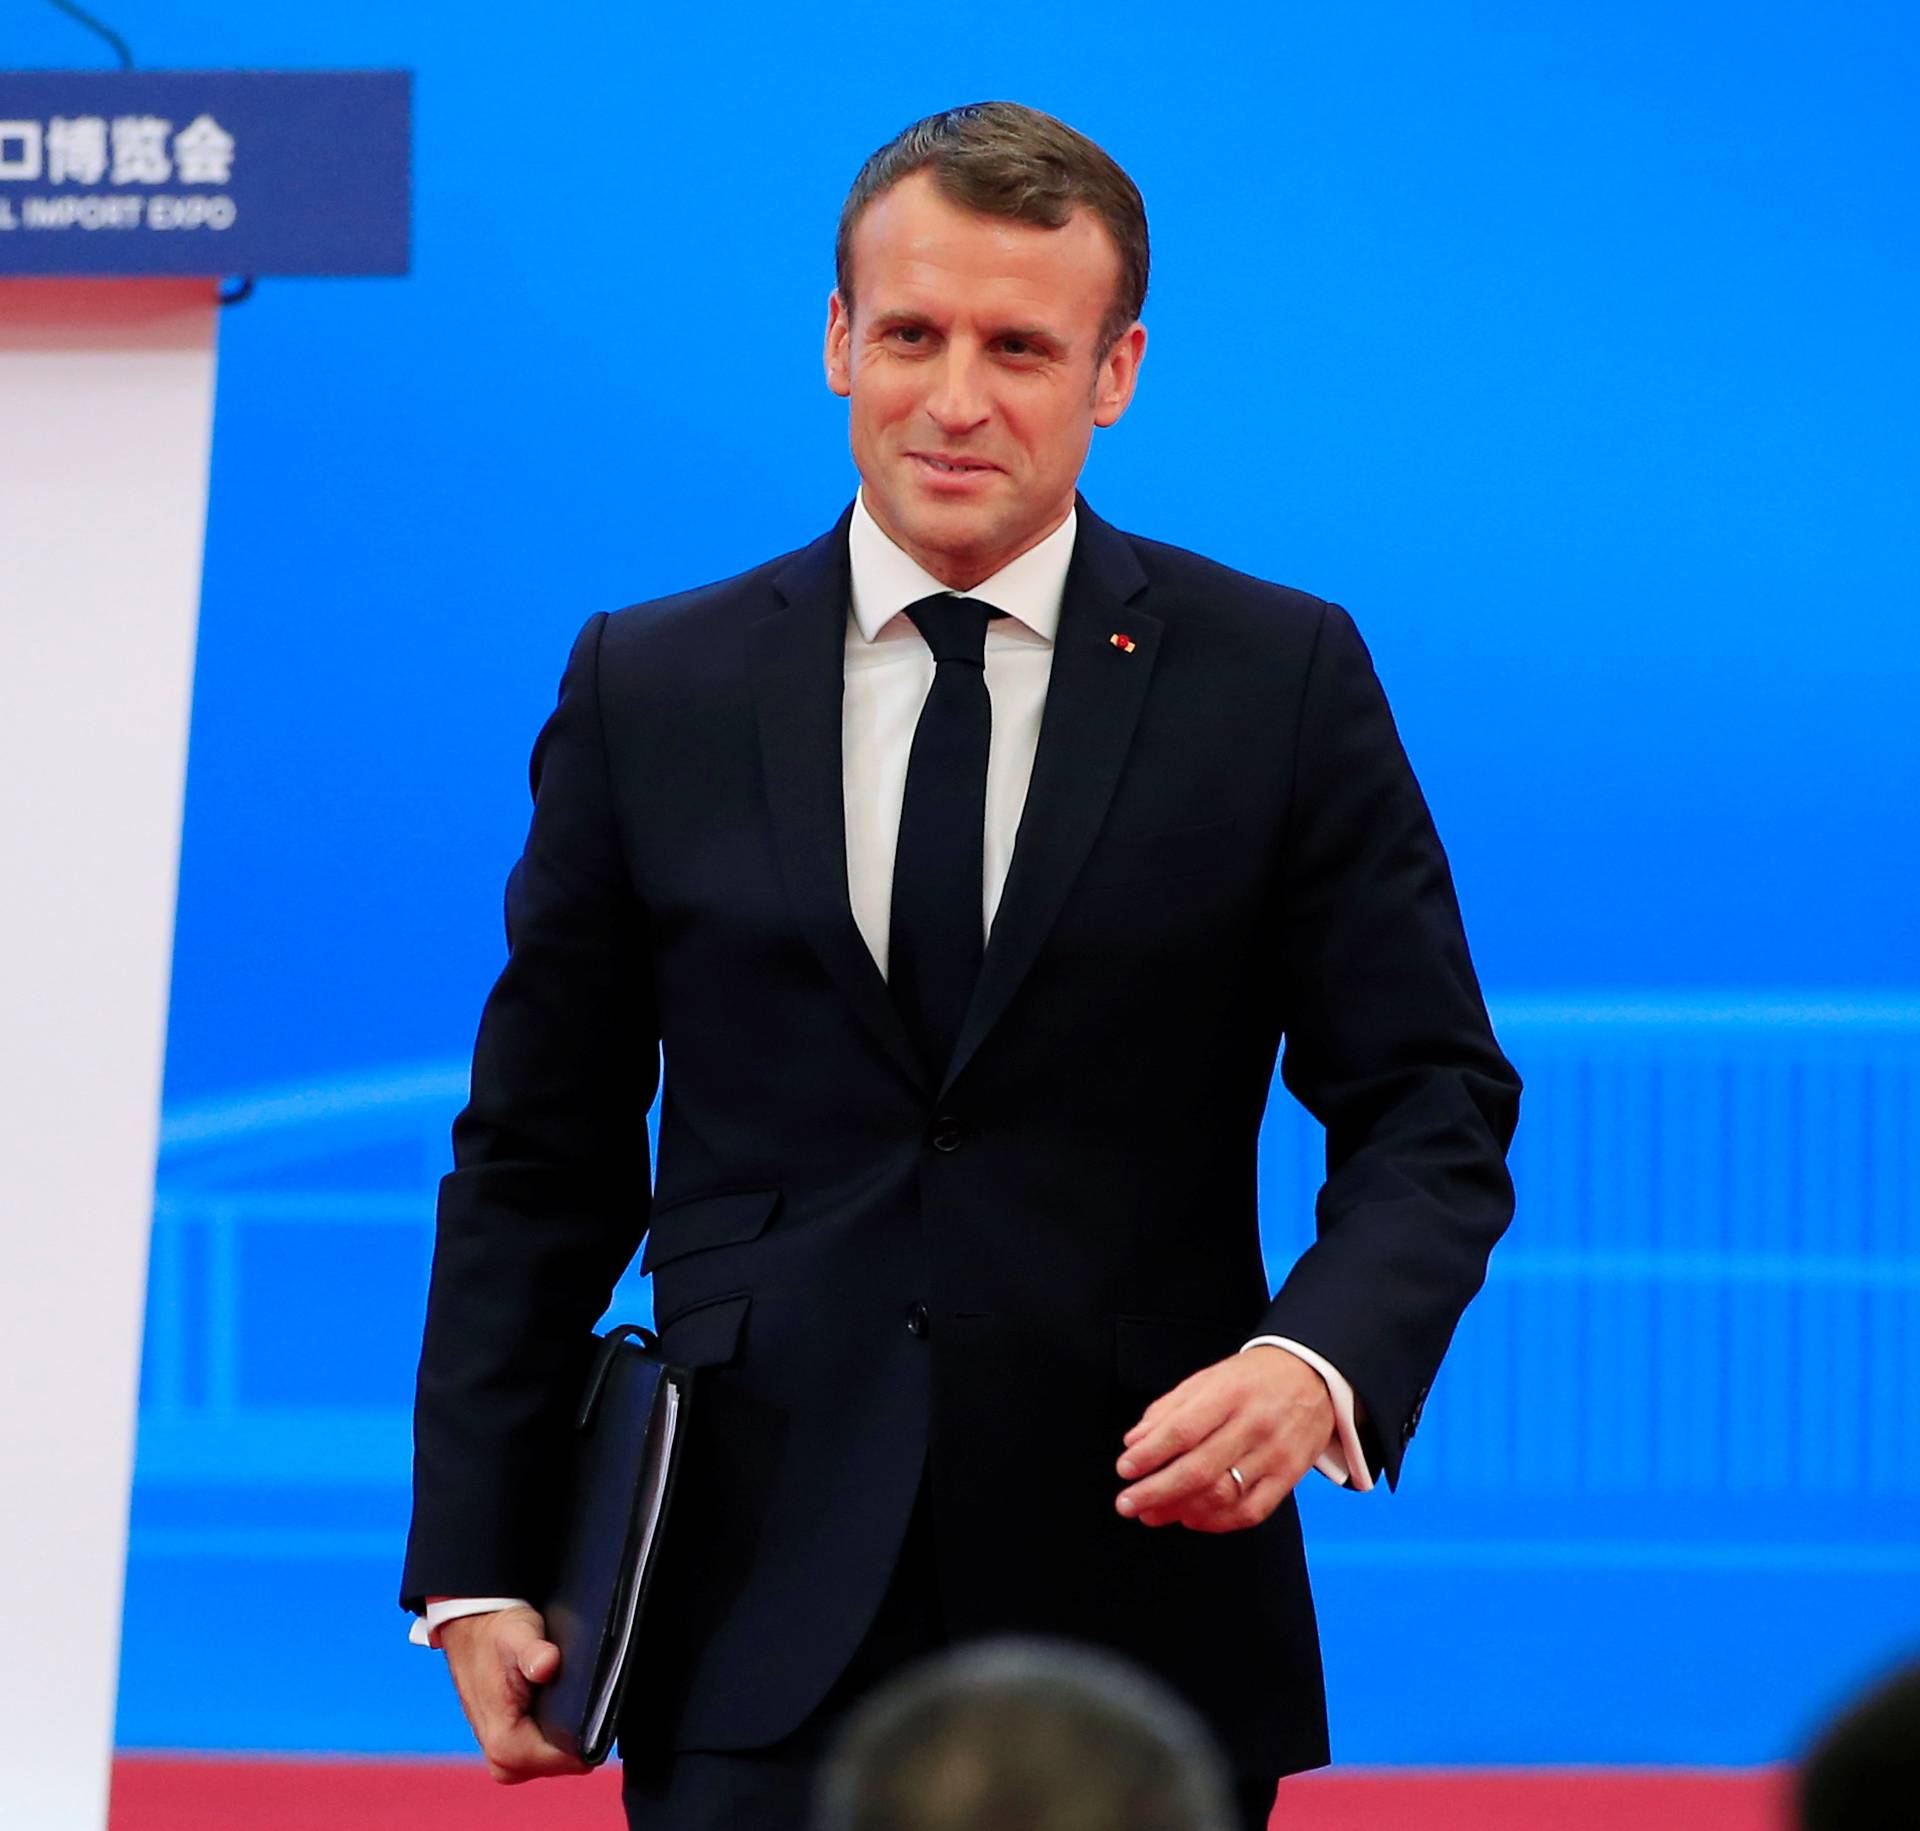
(1125, 644)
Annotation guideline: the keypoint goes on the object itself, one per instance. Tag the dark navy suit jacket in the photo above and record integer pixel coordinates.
(1222, 846)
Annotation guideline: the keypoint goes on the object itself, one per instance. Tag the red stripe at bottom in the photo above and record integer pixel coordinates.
(239, 1793)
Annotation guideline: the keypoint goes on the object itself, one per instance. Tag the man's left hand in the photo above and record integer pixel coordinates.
(1264, 1412)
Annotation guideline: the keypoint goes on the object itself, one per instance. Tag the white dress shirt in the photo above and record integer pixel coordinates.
(889, 671)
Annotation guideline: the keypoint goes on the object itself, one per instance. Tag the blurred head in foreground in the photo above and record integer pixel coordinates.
(1022, 1735)
(1863, 1774)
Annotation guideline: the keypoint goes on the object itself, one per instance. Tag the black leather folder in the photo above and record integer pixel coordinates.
(628, 1431)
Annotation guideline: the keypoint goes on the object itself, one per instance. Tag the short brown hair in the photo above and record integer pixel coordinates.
(1005, 159)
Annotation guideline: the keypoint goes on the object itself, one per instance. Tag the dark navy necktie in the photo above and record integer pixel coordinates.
(936, 937)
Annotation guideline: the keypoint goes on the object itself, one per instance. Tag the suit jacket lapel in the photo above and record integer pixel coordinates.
(1094, 694)
(798, 660)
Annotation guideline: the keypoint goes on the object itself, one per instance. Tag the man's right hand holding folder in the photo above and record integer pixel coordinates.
(497, 1660)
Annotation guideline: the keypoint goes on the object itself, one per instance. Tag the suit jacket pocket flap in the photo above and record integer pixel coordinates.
(708, 1335)
(699, 1221)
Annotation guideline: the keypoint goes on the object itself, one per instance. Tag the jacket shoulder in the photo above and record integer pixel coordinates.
(700, 607)
(1194, 589)
(690, 640)
(1180, 568)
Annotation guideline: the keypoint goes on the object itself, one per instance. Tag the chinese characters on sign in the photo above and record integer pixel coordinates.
(122, 174)
(77, 150)
(128, 149)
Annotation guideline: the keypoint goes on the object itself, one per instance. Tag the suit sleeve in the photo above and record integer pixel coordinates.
(1389, 1046)
(548, 1196)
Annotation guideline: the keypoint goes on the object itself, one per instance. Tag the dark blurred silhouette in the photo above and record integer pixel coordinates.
(1863, 1773)
(1023, 1734)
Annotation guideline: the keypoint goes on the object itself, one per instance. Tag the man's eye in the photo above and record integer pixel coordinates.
(907, 330)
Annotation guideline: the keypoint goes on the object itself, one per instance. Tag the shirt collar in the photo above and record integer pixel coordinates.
(886, 579)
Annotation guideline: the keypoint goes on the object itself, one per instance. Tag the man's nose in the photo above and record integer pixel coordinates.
(958, 402)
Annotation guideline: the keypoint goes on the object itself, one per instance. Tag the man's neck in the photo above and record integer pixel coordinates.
(960, 572)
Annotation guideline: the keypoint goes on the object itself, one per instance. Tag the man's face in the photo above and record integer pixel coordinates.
(970, 369)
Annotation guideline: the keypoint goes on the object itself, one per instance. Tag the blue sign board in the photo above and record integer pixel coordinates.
(204, 171)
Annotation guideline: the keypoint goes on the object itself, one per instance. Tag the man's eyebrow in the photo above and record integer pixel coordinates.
(1030, 333)
(1034, 333)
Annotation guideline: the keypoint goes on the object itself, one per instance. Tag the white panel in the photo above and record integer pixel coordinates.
(106, 397)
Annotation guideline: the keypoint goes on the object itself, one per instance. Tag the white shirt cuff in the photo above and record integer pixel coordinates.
(423, 1632)
(1342, 1461)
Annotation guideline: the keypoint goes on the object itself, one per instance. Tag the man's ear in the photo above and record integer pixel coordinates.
(838, 354)
(1119, 370)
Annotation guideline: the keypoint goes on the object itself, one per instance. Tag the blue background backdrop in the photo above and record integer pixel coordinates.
(1574, 354)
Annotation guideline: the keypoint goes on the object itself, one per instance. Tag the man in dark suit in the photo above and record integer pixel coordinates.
(968, 867)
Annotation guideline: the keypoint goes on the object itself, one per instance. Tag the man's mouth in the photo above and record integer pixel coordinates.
(951, 467)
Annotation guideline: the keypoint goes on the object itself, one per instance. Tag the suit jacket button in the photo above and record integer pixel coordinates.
(946, 1133)
(917, 1319)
